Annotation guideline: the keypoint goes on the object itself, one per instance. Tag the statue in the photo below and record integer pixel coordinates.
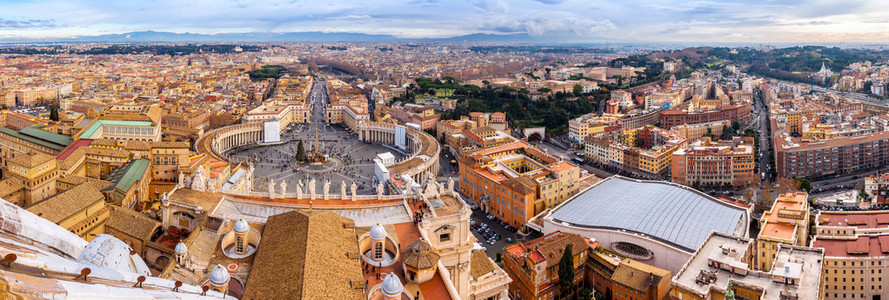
(198, 181)
(299, 189)
(354, 190)
(181, 182)
(271, 188)
(451, 185)
(379, 190)
(343, 191)
(312, 187)
(326, 187)
(283, 187)
(441, 187)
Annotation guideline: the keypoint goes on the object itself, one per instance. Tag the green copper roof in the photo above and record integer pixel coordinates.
(125, 176)
(46, 135)
(44, 138)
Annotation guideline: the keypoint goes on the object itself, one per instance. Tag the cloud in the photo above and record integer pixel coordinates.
(549, 25)
(27, 24)
(490, 7)
(551, 1)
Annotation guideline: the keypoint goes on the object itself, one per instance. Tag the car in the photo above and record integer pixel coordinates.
(491, 242)
(509, 240)
(826, 183)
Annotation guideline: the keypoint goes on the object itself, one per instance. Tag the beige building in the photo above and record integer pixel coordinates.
(714, 163)
(722, 269)
(80, 209)
(38, 173)
(856, 262)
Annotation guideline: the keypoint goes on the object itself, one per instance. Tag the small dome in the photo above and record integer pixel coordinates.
(419, 255)
(241, 226)
(377, 232)
(180, 248)
(391, 286)
(219, 276)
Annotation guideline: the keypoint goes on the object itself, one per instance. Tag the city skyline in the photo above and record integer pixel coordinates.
(779, 21)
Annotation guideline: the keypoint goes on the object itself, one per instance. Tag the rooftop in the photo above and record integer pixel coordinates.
(65, 204)
(669, 212)
(307, 255)
(802, 264)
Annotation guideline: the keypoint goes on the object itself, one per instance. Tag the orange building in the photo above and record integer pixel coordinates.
(534, 266)
(515, 181)
(786, 223)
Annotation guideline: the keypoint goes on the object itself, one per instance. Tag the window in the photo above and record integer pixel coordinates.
(378, 251)
(444, 237)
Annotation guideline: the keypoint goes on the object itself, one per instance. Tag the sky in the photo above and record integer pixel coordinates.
(762, 21)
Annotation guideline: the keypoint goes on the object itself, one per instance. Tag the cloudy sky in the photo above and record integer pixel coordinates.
(583, 20)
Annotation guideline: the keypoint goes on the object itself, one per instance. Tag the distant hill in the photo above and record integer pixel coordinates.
(307, 36)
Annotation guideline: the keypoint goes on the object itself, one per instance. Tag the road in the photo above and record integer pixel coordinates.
(761, 114)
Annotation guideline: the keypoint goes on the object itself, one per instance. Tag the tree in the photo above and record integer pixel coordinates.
(566, 272)
(300, 152)
(544, 90)
(578, 89)
(726, 133)
(53, 113)
(498, 258)
(587, 294)
(804, 184)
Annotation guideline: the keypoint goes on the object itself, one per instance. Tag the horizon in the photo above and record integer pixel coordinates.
(566, 21)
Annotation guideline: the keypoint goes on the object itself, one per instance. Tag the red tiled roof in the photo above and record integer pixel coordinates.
(71, 148)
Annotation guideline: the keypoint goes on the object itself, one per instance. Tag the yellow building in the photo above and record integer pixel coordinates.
(856, 263)
(80, 209)
(786, 223)
(38, 173)
(28, 140)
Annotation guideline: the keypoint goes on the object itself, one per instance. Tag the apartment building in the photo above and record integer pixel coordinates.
(787, 223)
(516, 181)
(795, 158)
(714, 163)
(856, 259)
(646, 151)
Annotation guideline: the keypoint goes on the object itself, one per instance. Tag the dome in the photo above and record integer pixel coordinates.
(219, 276)
(180, 248)
(107, 251)
(377, 232)
(418, 255)
(241, 227)
(391, 286)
